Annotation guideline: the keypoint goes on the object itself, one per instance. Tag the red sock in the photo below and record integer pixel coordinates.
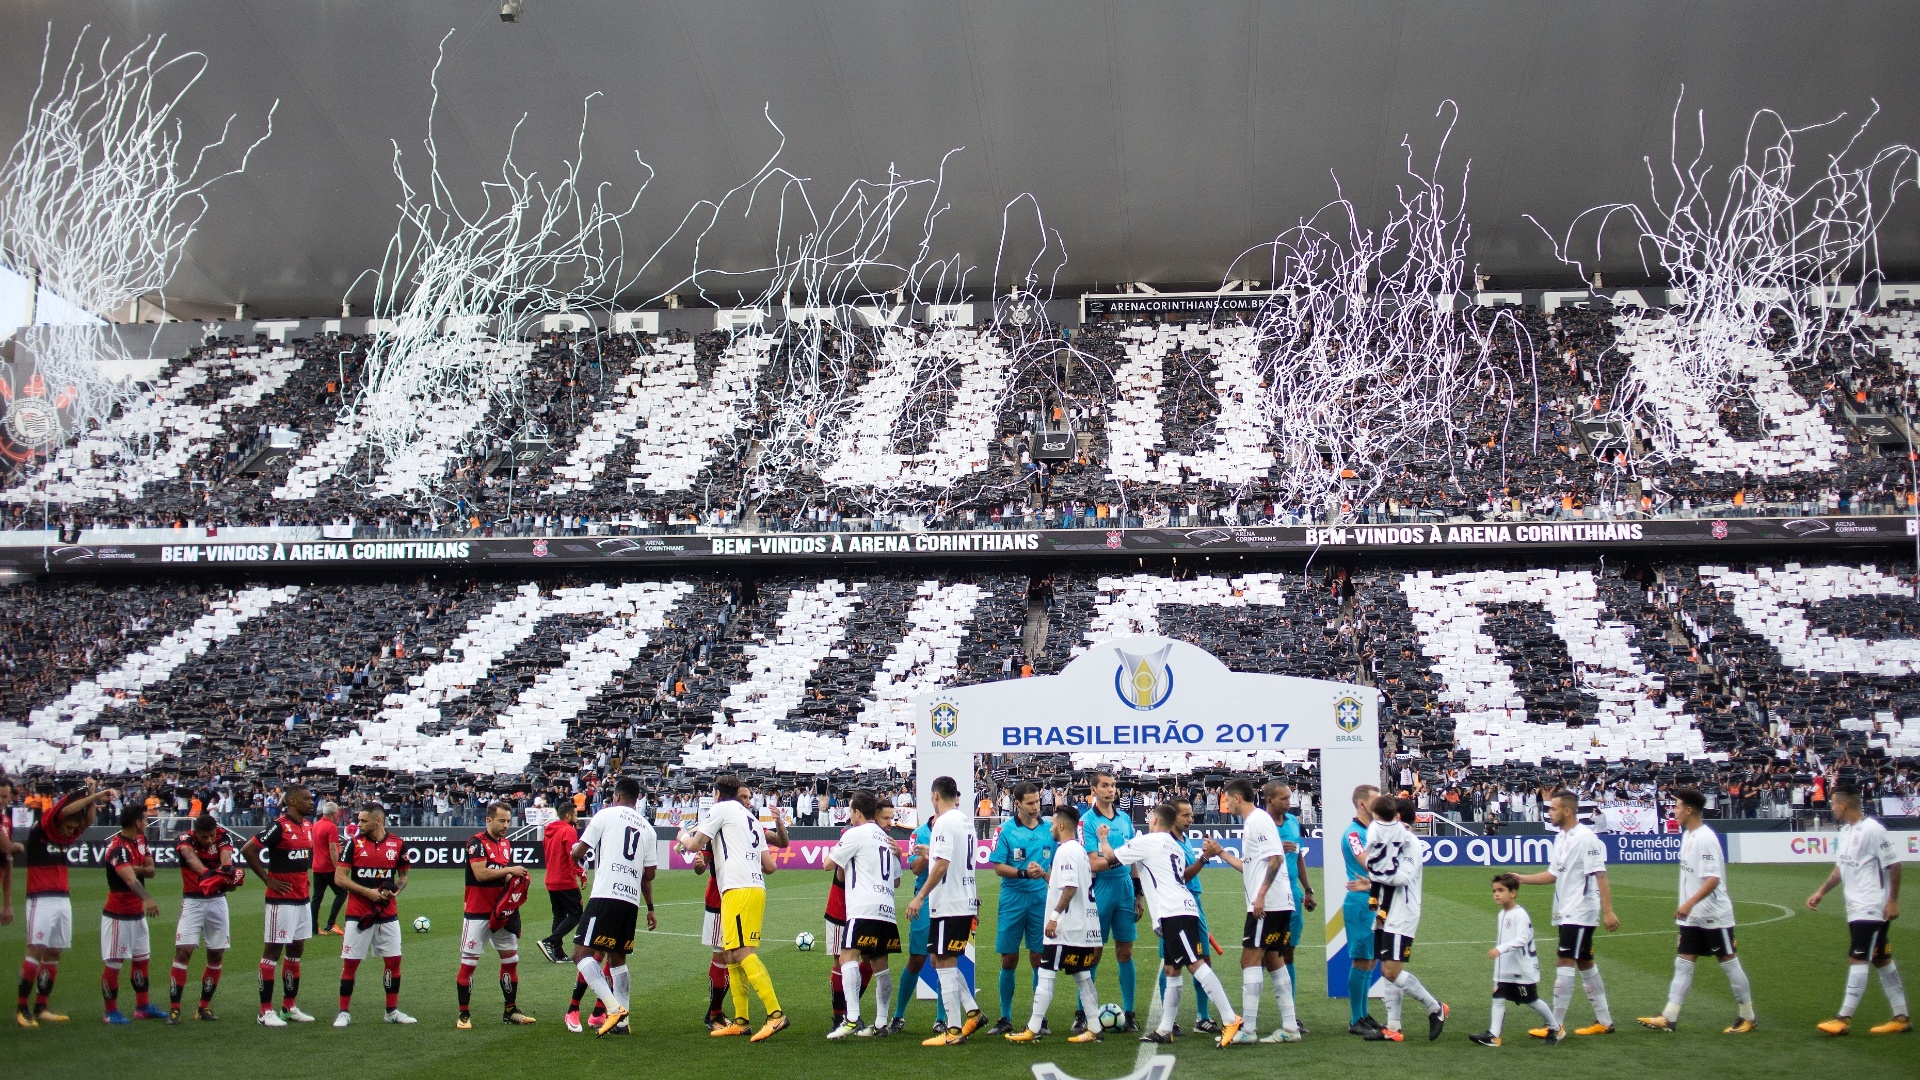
(140, 983)
(463, 984)
(289, 981)
(43, 987)
(29, 974)
(866, 975)
(392, 982)
(209, 981)
(348, 969)
(110, 986)
(266, 985)
(176, 983)
(717, 976)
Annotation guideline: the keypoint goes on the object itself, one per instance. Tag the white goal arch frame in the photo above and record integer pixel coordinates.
(1184, 700)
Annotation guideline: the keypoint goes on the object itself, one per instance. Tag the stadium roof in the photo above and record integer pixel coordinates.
(1161, 140)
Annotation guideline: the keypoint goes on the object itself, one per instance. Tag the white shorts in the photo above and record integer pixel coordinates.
(50, 922)
(124, 939)
(288, 923)
(475, 937)
(203, 921)
(383, 939)
(834, 937)
(710, 930)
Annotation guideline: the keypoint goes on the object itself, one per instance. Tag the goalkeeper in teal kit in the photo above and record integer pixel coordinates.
(1357, 913)
(1115, 892)
(1023, 857)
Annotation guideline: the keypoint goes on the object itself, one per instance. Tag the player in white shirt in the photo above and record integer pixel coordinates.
(1516, 964)
(952, 902)
(870, 862)
(1867, 869)
(738, 841)
(1705, 916)
(1582, 903)
(1176, 916)
(1268, 931)
(1072, 940)
(1394, 863)
(621, 843)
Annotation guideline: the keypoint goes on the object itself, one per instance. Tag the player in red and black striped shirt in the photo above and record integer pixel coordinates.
(490, 867)
(373, 873)
(207, 875)
(288, 847)
(123, 920)
(49, 909)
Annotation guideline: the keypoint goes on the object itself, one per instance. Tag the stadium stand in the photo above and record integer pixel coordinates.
(1152, 423)
(1498, 678)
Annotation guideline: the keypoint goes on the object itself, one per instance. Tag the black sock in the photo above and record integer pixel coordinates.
(510, 989)
(579, 991)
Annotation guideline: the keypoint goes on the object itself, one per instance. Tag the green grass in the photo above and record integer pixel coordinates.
(1795, 958)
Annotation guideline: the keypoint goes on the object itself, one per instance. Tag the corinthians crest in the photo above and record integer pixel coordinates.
(1143, 682)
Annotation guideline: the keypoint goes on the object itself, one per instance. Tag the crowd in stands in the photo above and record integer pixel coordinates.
(640, 433)
(1763, 683)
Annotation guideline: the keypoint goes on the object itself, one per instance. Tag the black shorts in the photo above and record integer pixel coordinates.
(565, 902)
(1271, 932)
(1069, 959)
(949, 936)
(1576, 942)
(1869, 941)
(872, 938)
(608, 925)
(1395, 947)
(1716, 942)
(1518, 993)
(1182, 942)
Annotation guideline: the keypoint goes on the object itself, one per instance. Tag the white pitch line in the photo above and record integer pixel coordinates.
(1785, 914)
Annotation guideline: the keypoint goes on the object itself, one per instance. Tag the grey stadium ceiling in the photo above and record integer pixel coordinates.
(1160, 140)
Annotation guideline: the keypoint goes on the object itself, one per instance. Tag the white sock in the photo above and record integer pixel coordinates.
(1283, 994)
(1742, 988)
(1216, 993)
(1089, 997)
(589, 970)
(1410, 984)
(882, 994)
(950, 994)
(1597, 994)
(1896, 989)
(1042, 999)
(1856, 989)
(1170, 1005)
(1250, 987)
(1499, 1016)
(1562, 994)
(1393, 997)
(621, 983)
(850, 983)
(1546, 1013)
(1677, 991)
(967, 1003)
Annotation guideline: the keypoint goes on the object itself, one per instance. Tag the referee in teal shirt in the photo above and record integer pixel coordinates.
(1023, 857)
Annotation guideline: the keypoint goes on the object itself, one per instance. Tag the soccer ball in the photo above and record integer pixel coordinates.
(422, 924)
(804, 942)
(1111, 1018)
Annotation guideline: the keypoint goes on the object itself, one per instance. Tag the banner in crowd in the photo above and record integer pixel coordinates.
(208, 552)
(1629, 818)
(1900, 806)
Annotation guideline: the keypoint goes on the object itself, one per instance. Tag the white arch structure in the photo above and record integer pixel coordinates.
(1151, 694)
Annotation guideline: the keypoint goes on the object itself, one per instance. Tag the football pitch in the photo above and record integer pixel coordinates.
(1795, 958)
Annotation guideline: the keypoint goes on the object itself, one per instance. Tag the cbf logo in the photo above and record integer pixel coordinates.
(1143, 683)
(1346, 713)
(946, 720)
